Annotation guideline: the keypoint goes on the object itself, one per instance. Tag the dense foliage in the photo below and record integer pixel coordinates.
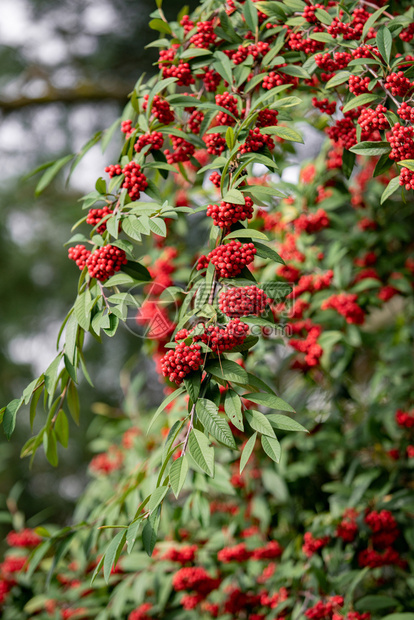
(244, 284)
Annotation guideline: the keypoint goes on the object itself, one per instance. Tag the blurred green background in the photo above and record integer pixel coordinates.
(66, 69)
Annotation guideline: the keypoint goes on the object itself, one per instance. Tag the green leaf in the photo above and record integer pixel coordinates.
(135, 270)
(269, 400)
(157, 497)
(226, 370)
(360, 100)
(246, 233)
(372, 19)
(250, 15)
(131, 227)
(194, 52)
(339, 78)
(207, 413)
(158, 226)
(192, 384)
(295, 71)
(383, 41)
(286, 133)
(160, 26)
(285, 102)
(259, 422)
(178, 474)
(97, 569)
(265, 252)
(233, 409)
(234, 196)
(113, 552)
(50, 445)
(51, 375)
(223, 66)
(73, 402)
(399, 616)
(392, 187)
(51, 172)
(272, 447)
(82, 309)
(371, 148)
(150, 531)
(324, 17)
(83, 152)
(201, 451)
(169, 399)
(284, 423)
(348, 163)
(247, 451)
(407, 163)
(373, 602)
(62, 428)
(9, 416)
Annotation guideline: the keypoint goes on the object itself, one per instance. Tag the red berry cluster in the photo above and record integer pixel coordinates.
(127, 128)
(211, 79)
(105, 261)
(215, 143)
(237, 553)
(219, 338)
(267, 118)
(215, 178)
(160, 109)
(113, 170)
(231, 258)
(255, 141)
(154, 138)
(325, 611)
(345, 304)
(230, 103)
(312, 545)
(348, 529)
(140, 613)
(194, 121)
(205, 35)
(226, 213)
(407, 178)
(384, 528)
(194, 578)
(243, 301)
(402, 142)
(179, 362)
(405, 418)
(182, 72)
(324, 105)
(80, 255)
(135, 181)
(406, 112)
(311, 222)
(370, 120)
(182, 555)
(95, 216)
(358, 85)
(307, 345)
(187, 23)
(183, 150)
(377, 559)
(273, 79)
(398, 84)
(25, 538)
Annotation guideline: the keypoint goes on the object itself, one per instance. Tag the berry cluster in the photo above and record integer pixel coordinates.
(402, 142)
(405, 418)
(225, 214)
(127, 128)
(230, 103)
(160, 109)
(105, 261)
(80, 255)
(347, 529)
(311, 222)
(135, 181)
(25, 538)
(243, 301)
(407, 178)
(267, 118)
(325, 611)
(398, 84)
(324, 105)
(384, 528)
(345, 304)
(215, 143)
(155, 139)
(219, 338)
(179, 362)
(307, 345)
(256, 141)
(370, 120)
(358, 85)
(205, 35)
(95, 216)
(230, 259)
(312, 545)
(113, 170)
(406, 112)
(183, 150)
